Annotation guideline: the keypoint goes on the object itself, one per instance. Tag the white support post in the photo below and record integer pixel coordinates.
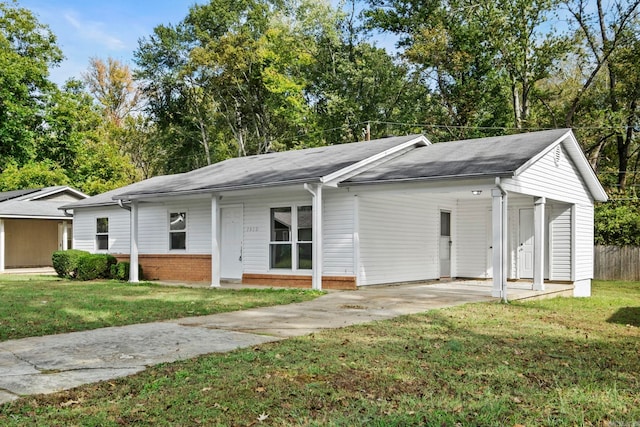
(497, 241)
(505, 244)
(538, 243)
(133, 253)
(317, 239)
(1, 245)
(65, 235)
(316, 248)
(215, 241)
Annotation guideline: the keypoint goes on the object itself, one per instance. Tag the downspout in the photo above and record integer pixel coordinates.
(505, 231)
(316, 247)
(121, 204)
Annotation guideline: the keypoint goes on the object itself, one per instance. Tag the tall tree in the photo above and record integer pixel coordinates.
(111, 84)
(230, 72)
(27, 50)
(483, 60)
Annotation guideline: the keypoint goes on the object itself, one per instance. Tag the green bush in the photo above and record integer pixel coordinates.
(95, 266)
(120, 271)
(66, 262)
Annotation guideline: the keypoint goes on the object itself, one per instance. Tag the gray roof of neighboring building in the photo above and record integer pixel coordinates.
(493, 156)
(8, 195)
(33, 203)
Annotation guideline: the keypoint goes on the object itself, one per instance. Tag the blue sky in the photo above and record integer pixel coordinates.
(102, 29)
(90, 28)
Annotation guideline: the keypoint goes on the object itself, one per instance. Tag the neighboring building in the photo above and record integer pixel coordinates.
(391, 210)
(32, 226)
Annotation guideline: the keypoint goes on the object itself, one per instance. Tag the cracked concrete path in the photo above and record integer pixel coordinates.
(59, 362)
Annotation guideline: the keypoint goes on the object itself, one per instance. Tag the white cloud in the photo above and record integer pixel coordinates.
(94, 31)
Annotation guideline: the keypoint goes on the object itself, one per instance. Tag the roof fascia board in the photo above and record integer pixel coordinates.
(432, 187)
(60, 190)
(427, 179)
(334, 178)
(577, 155)
(18, 216)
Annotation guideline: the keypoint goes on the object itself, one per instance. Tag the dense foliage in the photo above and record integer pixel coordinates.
(235, 78)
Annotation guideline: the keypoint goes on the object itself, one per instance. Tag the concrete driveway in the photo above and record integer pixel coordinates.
(59, 362)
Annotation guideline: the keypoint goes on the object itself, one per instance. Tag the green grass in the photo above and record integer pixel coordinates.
(559, 362)
(44, 305)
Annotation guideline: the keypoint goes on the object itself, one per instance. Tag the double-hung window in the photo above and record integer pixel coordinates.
(291, 233)
(177, 231)
(102, 234)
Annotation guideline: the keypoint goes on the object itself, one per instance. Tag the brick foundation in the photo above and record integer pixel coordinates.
(185, 268)
(288, 281)
(197, 268)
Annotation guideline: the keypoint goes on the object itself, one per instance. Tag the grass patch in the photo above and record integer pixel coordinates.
(560, 362)
(44, 305)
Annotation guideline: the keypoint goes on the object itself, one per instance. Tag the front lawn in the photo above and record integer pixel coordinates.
(559, 362)
(42, 305)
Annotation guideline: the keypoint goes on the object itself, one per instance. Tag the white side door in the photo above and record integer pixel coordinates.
(231, 242)
(525, 244)
(445, 244)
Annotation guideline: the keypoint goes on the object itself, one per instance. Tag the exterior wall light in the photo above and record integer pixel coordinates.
(476, 192)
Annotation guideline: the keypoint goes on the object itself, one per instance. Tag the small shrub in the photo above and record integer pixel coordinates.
(95, 266)
(66, 262)
(120, 271)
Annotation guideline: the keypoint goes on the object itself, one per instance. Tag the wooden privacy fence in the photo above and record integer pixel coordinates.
(616, 263)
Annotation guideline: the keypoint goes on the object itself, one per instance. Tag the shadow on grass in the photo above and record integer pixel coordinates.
(626, 316)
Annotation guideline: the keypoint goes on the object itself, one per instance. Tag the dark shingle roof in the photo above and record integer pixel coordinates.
(494, 156)
(281, 168)
(8, 195)
(271, 169)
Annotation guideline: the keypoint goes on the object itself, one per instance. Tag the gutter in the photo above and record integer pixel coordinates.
(208, 190)
(423, 179)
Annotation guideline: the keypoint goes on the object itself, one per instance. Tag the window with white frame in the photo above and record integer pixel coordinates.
(177, 230)
(102, 234)
(291, 228)
(305, 237)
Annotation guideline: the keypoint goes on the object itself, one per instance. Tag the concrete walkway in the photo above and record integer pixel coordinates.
(59, 362)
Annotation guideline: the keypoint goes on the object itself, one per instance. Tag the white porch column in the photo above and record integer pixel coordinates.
(538, 243)
(65, 235)
(1, 245)
(215, 241)
(316, 247)
(496, 241)
(133, 252)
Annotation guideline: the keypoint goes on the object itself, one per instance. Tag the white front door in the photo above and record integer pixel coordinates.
(525, 244)
(445, 244)
(231, 242)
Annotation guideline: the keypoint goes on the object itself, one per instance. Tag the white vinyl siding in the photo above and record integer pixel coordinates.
(473, 238)
(560, 243)
(583, 242)
(398, 238)
(84, 229)
(555, 180)
(153, 226)
(338, 229)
